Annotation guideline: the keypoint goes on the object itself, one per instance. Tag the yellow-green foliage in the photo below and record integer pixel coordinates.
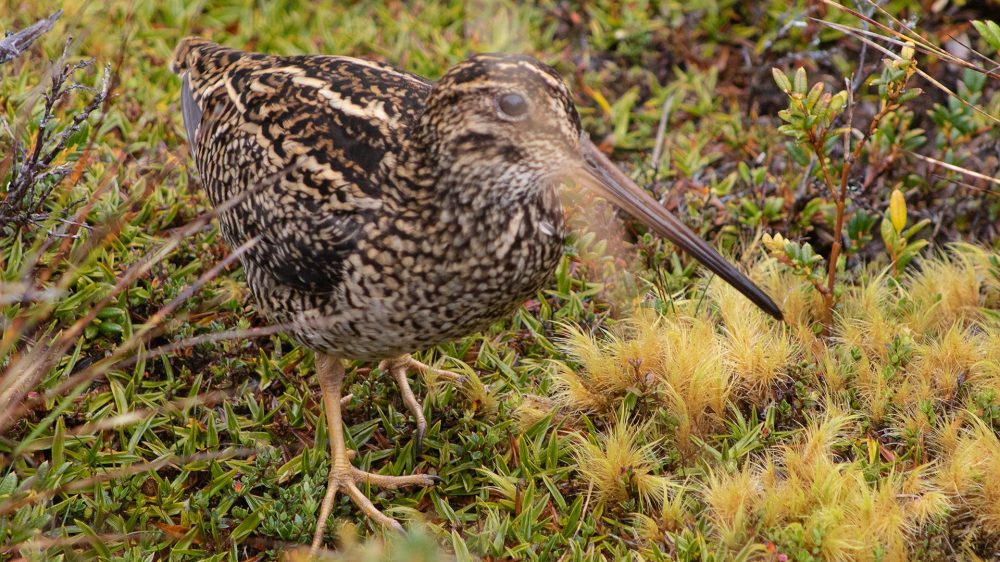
(970, 470)
(806, 484)
(944, 292)
(620, 465)
(678, 362)
(891, 419)
(758, 352)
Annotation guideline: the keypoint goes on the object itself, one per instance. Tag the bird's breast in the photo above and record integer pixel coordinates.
(481, 265)
(411, 286)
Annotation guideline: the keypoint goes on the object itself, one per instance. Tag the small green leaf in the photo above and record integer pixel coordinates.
(798, 154)
(96, 540)
(8, 484)
(744, 171)
(814, 94)
(800, 84)
(838, 101)
(913, 230)
(58, 443)
(251, 522)
(781, 80)
(461, 549)
(990, 32)
(889, 235)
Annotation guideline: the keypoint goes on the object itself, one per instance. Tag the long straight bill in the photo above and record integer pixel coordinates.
(623, 192)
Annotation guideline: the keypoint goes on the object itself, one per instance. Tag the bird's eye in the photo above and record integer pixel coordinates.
(512, 105)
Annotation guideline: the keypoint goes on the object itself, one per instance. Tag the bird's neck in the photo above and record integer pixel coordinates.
(415, 174)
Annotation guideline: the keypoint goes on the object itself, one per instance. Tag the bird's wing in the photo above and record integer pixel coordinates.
(301, 141)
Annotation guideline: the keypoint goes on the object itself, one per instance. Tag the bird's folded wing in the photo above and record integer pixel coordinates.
(315, 129)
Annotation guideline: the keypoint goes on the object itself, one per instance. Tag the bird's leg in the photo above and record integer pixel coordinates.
(343, 476)
(398, 368)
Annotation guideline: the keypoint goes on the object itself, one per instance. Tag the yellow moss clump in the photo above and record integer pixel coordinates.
(944, 292)
(693, 377)
(988, 363)
(876, 390)
(677, 361)
(970, 470)
(796, 297)
(532, 410)
(611, 367)
(758, 351)
(865, 322)
(673, 515)
(886, 459)
(942, 364)
(620, 465)
(803, 486)
(731, 500)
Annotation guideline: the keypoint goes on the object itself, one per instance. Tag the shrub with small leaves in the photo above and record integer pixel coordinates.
(811, 121)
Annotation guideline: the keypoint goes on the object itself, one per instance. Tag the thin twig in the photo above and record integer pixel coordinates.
(18, 42)
(859, 72)
(959, 169)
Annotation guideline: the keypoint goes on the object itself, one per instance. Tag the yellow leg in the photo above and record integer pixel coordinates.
(398, 367)
(343, 476)
(423, 369)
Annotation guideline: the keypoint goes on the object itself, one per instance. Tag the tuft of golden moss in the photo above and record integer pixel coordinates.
(807, 485)
(945, 291)
(758, 351)
(620, 464)
(970, 470)
(889, 421)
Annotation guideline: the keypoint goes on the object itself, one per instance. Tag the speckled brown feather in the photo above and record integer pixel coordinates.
(402, 216)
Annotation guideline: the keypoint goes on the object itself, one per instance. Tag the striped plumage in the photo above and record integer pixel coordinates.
(380, 230)
(384, 214)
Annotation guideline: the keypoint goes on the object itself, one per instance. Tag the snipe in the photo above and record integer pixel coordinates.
(390, 213)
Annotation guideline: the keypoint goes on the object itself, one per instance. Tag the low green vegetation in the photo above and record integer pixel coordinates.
(636, 409)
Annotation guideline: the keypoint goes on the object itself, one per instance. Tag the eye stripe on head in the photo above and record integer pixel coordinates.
(491, 77)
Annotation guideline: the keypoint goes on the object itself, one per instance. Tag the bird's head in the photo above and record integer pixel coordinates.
(508, 126)
(493, 112)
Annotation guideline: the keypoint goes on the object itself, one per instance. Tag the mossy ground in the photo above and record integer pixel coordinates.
(642, 416)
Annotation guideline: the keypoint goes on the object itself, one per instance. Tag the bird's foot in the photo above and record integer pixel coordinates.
(345, 478)
(408, 361)
(398, 367)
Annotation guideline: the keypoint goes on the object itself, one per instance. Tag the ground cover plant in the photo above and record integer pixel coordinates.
(847, 156)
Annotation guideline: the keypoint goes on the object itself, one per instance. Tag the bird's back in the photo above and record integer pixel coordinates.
(301, 143)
